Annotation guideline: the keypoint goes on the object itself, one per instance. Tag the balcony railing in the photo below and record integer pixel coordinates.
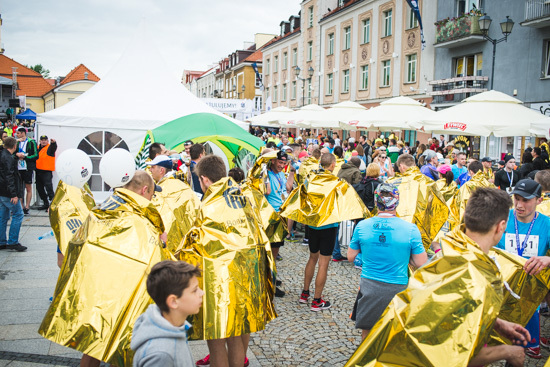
(451, 29)
(535, 9)
(456, 89)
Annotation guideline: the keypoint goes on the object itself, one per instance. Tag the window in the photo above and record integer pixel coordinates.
(293, 91)
(412, 22)
(258, 80)
(345, 81)
(340, 3)
(330, 81)
(330, 44)
(275, 64)
(267, 66)
(386, 70)
(266, 94)
(546, 71)
(366, 31)
(294, 56)
(464, 6)
(96, 145)
(310, 51)
(285, 60)
(309, 91)
(387, 23)
(347, 38)
(471, 65)
(411, 68)
(364, 77)
(275, 94)
(283, 99)
(310, 12)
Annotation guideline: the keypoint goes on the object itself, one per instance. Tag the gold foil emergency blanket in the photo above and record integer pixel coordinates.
(306, 168)
(448, 192)
(258, 173)
(445, 315)
(531, 289)
(275, 228)
(233, 251)
(69, 209)
(466, 190)
(322, 200)
(177, 204)
(421, 203)
(338, 167)
(101, 289)
(544, 207)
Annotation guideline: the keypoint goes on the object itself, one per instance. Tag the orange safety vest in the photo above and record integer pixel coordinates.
(44, 161)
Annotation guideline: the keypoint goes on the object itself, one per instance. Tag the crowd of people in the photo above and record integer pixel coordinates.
(179, 194)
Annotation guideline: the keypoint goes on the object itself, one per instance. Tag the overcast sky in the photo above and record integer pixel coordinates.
(61, 34)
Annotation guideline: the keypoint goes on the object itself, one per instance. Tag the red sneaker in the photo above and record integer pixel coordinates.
(533, 352)
(203, 362)
(304, 297)
(545, 342)
(246, 362)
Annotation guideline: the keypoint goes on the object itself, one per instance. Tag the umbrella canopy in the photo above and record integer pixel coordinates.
(541, 128)
(27, 115)
(275, 116)
(338, 116)
(306, 116)
(392, 114)
(483, 114)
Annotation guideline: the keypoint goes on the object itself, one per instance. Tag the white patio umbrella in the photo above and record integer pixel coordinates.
(303, 117)
(392, 114)
(541, 128)
(272, 117)
(483, 114)
(337, 116)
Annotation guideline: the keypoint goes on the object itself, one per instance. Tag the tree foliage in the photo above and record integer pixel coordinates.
(40, 69)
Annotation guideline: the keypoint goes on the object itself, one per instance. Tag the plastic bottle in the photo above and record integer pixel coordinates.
(46, 235)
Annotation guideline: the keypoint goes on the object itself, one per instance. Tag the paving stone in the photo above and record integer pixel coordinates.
(19, 331)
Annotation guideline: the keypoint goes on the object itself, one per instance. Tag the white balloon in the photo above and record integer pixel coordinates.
(74, 167)
(117, 167)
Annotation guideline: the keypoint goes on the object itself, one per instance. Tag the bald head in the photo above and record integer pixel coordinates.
(142, 183)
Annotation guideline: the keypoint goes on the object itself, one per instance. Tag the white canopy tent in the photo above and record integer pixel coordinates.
(138, 94)
(272, 117)
(338, 116)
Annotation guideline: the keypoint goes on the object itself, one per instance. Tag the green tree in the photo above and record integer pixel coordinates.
(40, 69)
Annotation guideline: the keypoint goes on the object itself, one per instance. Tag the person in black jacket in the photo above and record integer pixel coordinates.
(507, 178)
(365, 189)
(538, 162)
(11, 190)
(526, 164)
(196, 152)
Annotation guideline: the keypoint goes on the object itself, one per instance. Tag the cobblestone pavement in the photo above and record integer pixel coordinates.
(300, 337)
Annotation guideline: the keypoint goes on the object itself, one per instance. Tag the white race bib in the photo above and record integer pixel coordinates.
(532, 245)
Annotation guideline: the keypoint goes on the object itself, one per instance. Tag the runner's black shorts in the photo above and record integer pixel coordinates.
(322, 240)
(26, 176)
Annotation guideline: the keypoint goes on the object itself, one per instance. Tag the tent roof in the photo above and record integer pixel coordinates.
(27, 115)
(138, 93)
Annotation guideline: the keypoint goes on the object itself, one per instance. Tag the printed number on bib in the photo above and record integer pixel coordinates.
(532, 245)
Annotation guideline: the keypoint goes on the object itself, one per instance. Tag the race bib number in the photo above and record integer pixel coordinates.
(532, 245)
(21, 165)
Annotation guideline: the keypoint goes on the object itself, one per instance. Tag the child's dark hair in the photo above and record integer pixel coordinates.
(169, 277)
(236, 174)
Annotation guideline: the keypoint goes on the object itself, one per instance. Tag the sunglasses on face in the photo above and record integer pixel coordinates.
(382, 157)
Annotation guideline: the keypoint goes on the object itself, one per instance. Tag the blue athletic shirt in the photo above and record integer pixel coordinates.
(538, 241)
(278, 188)
(386, 245)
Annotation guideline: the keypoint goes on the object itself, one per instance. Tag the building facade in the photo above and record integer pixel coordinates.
(78, 81)
(464, 60)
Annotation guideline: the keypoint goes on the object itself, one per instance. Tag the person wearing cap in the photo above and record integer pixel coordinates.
(27, 154)
(387, 245)
(45, 165)
(487, 170)
(277, 188)
(528, 235)
(429, 168)
(507, 178)
(446, 173)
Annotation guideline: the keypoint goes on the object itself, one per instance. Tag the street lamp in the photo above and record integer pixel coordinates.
(506, 27)
(310, 72)
(234, 88)
(243, 88)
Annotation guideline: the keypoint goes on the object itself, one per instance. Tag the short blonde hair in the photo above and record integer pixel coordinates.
(373, 170)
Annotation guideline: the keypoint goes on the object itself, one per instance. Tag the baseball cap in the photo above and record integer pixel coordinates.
(286, 147)
(429, 154)
(161, 160)
(188, 142)
(43, 137)
(508, 157)
(303, 154)
(351, 140)
(282, 156)
(444, 168)
(528, 189)
(501, 163)
(22, 129)
(331, 141)
(486, 159)
(456, 151)
(440, 157)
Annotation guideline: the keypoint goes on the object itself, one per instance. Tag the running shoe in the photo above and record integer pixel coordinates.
(279, 257)
(203, 362)
(358, 267)
(533, 352)
(544, 342)
(279, 292)
(304, 297)
(544, 311)
(278, 283)
(291, 238)
(320, 305)
(305, 242)
(343, 258)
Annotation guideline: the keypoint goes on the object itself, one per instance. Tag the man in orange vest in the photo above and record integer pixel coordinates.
(45, 165)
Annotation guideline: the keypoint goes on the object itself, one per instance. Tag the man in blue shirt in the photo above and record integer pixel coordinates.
(387, 245)
(460, 167)
(277, 188)
(528, 235)
(429, 169)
